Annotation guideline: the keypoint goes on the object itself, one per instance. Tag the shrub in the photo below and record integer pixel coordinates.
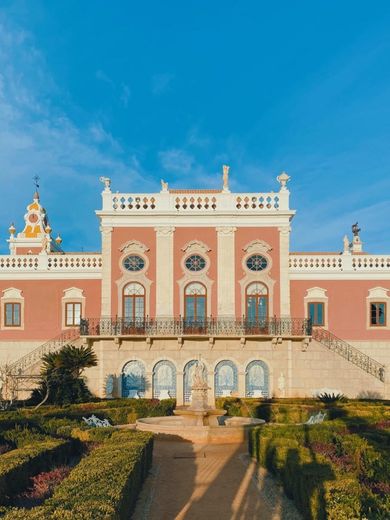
(331, 398)
(104, 485)
(327, 471)
(18, 465)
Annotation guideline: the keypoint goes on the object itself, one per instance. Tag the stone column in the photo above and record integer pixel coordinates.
(289, 378)
(179, 388)
(164, 271)
(106, 232)
(211, 383)
(284, 252)
(241, 383)
(226, 271)
(149, 385)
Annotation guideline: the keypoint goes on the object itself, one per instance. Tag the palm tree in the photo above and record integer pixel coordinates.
(61, 373)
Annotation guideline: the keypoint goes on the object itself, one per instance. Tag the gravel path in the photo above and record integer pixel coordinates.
(217, 482)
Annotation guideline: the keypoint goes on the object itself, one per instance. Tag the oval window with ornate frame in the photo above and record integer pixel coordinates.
(134, 263)
(256, 263)
(195, 263)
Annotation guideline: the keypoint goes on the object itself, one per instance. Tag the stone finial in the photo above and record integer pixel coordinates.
(225, 175)
(347, 245)
(58, 240)
(12, 229)
(48, 229)
(164, 186)
(107, 183)
(283, 179)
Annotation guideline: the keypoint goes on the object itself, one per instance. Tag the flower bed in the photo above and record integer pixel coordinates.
(104, 485)
(17, 465)
(328, 471)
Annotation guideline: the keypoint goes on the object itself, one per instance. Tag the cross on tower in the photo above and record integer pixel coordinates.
(36, 180)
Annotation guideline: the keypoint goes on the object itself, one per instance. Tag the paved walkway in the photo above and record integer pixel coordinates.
(217, 482)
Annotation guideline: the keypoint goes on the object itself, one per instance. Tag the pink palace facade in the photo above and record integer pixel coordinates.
(189, 273)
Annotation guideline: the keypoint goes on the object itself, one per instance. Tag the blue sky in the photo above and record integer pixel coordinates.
(140, 91)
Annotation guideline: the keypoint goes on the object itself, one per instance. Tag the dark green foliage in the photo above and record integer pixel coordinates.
(61, 373)
(104, 485)
(18, 465)
(332, 398)
(328, 471)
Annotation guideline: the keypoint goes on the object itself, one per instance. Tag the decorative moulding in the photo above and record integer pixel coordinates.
(195, 245)
(378, 292)
(13, 293)
(133, 246)
(316, 292)
(73, 292)
(257, 246)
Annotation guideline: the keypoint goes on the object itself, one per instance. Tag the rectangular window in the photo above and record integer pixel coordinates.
(12, 315)
(378, 314)
(72, 314)
(317, 313)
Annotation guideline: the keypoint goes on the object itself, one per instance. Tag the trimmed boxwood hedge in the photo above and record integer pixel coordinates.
(117, 411)
(18, 465)
(104, 485)
(327, 471)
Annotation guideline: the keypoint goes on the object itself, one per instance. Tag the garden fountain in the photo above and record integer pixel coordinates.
(200, 422)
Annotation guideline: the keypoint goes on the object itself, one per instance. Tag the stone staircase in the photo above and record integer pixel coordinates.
(28, 362)
(350, 353)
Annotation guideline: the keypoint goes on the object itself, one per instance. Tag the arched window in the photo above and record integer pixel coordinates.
(256, 302)
(188, 374)
(164, 380)
(133, 380)
(257, 379)
(134, 301)
(226, 378)
(195, 302)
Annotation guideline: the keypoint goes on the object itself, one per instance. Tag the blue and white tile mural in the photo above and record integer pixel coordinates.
(257, 379)
(164, 380)
(133, 379)
(226, 378)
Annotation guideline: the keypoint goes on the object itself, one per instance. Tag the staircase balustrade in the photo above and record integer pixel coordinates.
(348, 352)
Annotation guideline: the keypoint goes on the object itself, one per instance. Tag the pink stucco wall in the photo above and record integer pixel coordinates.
(43, 306)
(347, 306)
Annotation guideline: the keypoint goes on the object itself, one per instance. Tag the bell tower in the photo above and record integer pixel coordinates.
(36, 235)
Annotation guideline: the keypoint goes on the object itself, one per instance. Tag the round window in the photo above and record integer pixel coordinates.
(134, 263)
(256, 263)
(195, 263)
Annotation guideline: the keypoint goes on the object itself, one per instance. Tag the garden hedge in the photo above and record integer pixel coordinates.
(104, 485)
(19, 464)
(328, 472)
(117, 411)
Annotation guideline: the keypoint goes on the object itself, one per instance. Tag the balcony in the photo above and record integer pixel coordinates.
(209, 327)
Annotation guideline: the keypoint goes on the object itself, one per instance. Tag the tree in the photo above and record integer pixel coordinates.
(62, 375)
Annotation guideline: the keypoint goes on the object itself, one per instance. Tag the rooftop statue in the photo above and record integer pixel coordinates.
(355, 229)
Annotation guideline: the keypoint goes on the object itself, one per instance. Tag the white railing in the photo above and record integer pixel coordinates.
(50, 263)
(195, 201)
(339, 263)
(316, 262)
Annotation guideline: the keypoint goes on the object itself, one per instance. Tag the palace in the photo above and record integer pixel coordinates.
(189, 273)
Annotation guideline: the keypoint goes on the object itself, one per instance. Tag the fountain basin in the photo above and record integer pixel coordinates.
(222, 430)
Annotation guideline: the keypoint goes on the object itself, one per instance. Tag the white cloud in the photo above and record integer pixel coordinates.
(37, 136)
(176, 160)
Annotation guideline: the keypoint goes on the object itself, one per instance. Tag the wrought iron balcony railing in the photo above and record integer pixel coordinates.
(211, 327)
